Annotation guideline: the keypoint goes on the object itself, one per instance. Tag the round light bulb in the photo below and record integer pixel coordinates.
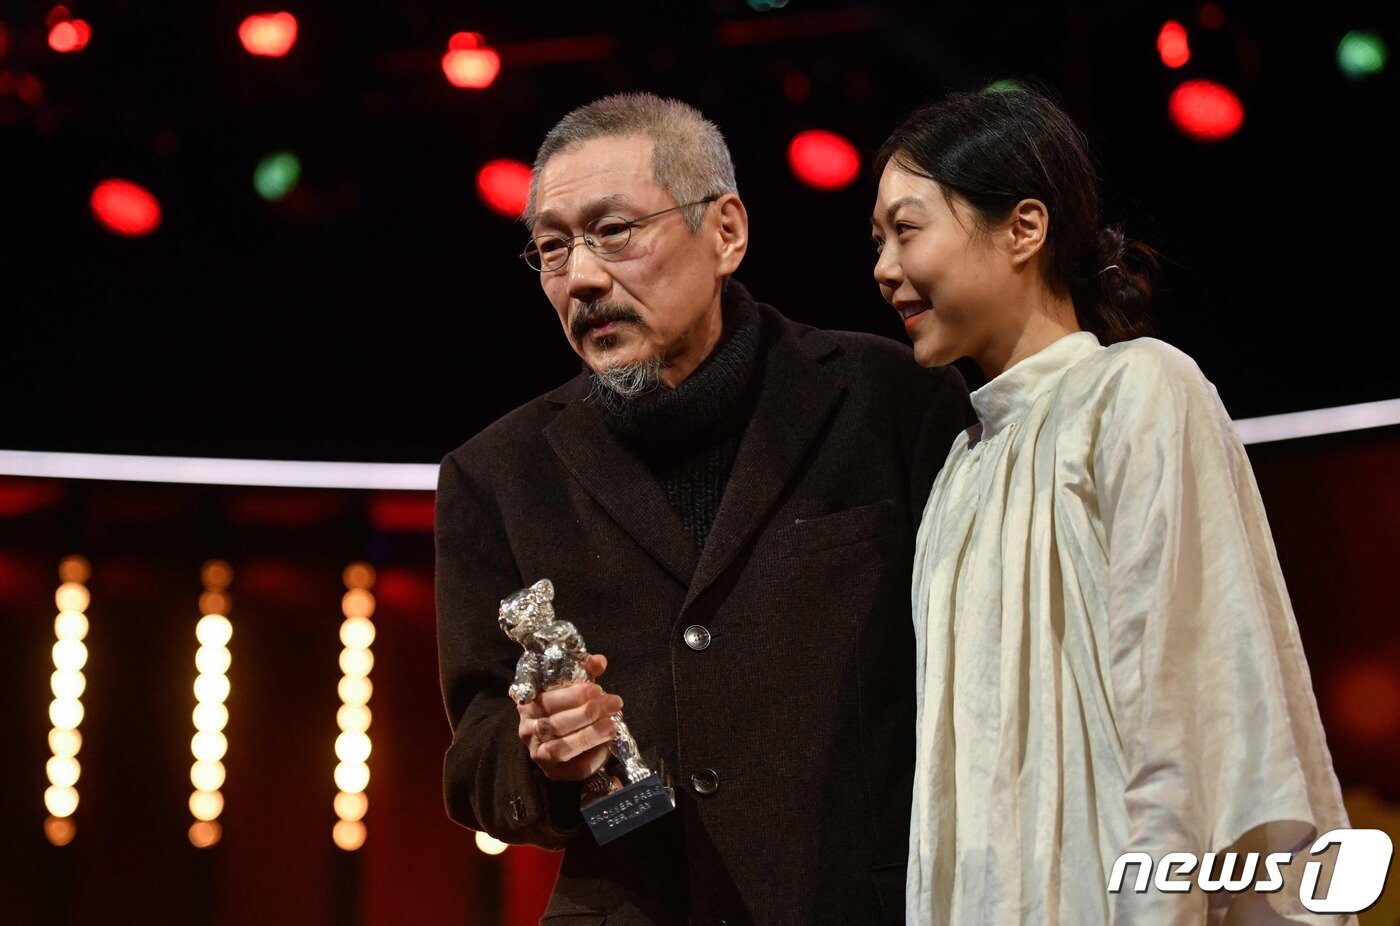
(356, 663)
(352, 747)
(67, 685)
(70, 625)
(210, 716)
(212, 660)
(206, 805)
(352, 776)
(357, 632)
(348, 835)
(63, 772)
(213, 630)
(205, 833)
(72, 596)
(61, 802)
(207, 776)
(65, 743)
(211, 689)
(353, 719)
(358, 602)
(351, 807)
(69, 655)
(65, 714)
(489, 844)
(355, 691)
(209, 745)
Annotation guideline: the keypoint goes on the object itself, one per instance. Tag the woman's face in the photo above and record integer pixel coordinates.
(948, 281)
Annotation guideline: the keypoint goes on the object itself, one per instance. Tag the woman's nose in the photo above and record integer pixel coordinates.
(887, 270)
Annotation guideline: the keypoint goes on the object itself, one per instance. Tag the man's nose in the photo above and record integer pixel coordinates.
(588, 278)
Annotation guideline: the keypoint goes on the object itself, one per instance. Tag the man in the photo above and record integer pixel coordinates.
(725, 501)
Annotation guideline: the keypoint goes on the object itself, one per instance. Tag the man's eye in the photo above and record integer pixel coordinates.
(611, 230)
(549, 245)
(879, 244)
(902, 227)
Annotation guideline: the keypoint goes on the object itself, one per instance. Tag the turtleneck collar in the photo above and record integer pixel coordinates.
(707, 405)
(1006, 398)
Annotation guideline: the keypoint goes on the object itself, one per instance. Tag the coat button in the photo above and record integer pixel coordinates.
(697, 637)
(705, 781)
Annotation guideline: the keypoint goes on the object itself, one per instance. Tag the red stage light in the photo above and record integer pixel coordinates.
(469, 62)
(504, 186)
(823, 160)
(125, 208)
(56, 15)
(269, 34)
(1172, 44)
(69, 35)
(1205, 111)
(29, 89)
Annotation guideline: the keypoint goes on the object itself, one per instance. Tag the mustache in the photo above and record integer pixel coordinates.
(592, 314)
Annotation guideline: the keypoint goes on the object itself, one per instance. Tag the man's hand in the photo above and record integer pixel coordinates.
(567, 730)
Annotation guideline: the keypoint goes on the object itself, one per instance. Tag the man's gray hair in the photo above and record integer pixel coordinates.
(689, 157)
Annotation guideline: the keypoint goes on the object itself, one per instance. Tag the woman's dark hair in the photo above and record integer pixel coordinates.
(995, 148)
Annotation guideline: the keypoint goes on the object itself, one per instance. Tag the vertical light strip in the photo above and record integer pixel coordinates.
(352, 746)
(211, 690)
(66, 710)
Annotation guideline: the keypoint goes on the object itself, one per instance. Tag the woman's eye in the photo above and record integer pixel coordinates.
(902, 227)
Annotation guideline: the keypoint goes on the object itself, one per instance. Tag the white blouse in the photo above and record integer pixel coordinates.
(1107, 657)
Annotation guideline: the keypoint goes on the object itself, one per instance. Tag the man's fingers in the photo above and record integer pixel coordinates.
(566, 748)
(576, 718)
(561, 699)
(581, 768)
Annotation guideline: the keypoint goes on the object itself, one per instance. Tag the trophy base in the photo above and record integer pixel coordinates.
(623, 811)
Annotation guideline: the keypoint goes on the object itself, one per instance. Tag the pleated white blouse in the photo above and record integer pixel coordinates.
(1107, 657)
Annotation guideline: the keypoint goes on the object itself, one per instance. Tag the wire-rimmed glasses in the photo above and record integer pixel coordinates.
(606, 234)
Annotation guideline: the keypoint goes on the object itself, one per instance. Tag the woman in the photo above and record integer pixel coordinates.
(1107, 658)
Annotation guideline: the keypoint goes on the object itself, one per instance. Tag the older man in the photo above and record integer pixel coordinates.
(725, 501)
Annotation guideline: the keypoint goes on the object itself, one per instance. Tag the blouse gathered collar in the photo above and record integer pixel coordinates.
(1006, 398)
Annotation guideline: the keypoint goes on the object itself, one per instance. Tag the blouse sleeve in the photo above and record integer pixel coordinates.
(1212, 696)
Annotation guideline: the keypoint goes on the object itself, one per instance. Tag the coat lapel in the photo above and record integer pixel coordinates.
(796, 398)
(622, 486)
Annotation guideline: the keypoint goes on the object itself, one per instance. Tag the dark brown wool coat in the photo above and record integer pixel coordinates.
(803, 703)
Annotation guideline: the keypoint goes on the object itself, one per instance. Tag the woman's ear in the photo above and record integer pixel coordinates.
(1028, 230)
(732, 234)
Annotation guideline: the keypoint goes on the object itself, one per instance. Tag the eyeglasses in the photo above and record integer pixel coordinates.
(606, 234)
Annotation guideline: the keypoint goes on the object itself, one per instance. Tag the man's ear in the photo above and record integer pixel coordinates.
(732, 233)
(1027, 230)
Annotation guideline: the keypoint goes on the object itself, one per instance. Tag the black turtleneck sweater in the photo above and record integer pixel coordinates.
(688, 436)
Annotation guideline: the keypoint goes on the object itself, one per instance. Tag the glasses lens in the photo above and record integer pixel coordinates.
(547, 252)
(609, 234)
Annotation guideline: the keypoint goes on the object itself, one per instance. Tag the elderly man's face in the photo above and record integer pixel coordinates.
(657, 297)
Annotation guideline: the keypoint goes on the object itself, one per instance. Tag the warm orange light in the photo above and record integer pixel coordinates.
(358, 575)
(270, 35)
(65, 742)
(74, 569)
(357, 602)
(205, 833)
(352, 776)
(349, 834)
(355, 691)
(213, 630)
(216, 574)
(490, 844)
(70, 625)
(61, 802)
(356, 662)
(351, 806)
(214, 602)
(353, 719)
(59, 830)
(207, 776)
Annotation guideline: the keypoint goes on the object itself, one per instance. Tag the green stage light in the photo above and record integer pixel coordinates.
(276, 175)
(1361, 54)
(1006, 83)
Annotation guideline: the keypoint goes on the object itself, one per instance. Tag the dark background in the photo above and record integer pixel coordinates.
(380, 313)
